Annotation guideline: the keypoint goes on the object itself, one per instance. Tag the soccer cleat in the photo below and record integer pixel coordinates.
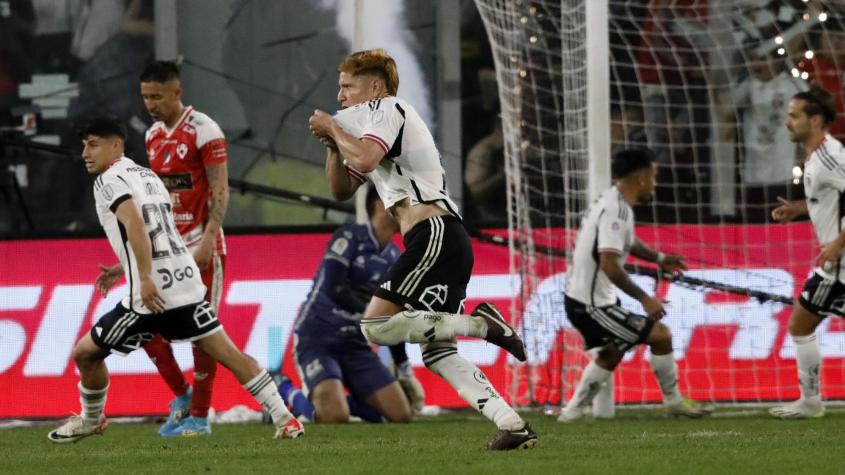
(189, 427)
(180, 408)
(291, 430)
(690, 408)
(524, 438)
(572, 415)
(499, 332)
(75, 429)
(800, 409)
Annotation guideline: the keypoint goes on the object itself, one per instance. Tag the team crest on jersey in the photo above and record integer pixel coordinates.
(182, 150)
(137, 340)
(108, 192)
(434, 296)
(340, 245)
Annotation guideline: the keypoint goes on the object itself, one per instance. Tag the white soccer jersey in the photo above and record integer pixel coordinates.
(173, 268)
(824, 185)
(608, 226)
(411, 166)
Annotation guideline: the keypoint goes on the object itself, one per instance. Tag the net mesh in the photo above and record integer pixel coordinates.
(706, 86)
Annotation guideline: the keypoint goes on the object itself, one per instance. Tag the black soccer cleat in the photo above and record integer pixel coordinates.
(499, 332)
(524, 438)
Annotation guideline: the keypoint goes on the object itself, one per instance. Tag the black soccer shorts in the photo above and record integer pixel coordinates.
(610, 325)
(123, 331)
(824, 297)
(433, 272)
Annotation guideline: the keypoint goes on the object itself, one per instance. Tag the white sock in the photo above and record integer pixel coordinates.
(472, 385)
(809, 363)
(665, 369)
(414, 326)
(93, 401)
(604, 406)
(265, 392)
(591, 381)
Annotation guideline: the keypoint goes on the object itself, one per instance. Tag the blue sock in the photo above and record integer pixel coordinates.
(363, 410)
(298, 402)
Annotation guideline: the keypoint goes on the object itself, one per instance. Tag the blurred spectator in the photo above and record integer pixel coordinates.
(108, 81)
(762, 100)
(484, 168)
(98, 21)
(827, 67)
(17, 23)
(54, 27)
(671, 73)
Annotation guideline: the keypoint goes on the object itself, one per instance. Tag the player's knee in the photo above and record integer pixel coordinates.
(399, 415)
(87, 355)
(330, 413)
(609, 357)
(799, 326)
(660, 338)
(376, 331)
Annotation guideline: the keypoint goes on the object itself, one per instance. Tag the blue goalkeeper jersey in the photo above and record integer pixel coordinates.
(352, 268)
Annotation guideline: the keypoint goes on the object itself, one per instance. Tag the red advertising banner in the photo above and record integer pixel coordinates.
(728, 348)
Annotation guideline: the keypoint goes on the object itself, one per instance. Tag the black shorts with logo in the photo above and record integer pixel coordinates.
(610, 325)
(123, 331)
(824, 297)
(433, 272)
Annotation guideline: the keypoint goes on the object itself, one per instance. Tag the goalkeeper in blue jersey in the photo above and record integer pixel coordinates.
(330, 350)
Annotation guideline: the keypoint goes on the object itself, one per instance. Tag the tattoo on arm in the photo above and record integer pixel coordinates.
(218, 182)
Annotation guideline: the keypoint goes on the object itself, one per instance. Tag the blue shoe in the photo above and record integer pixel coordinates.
(191, 426)
(180, 408)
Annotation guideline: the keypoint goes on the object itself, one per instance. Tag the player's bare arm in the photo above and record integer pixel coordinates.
(109, 275)
(341, 184)
(362, 155)
(612, 267)
(128, 215)
(789, 210)
(670, 263)
(218, 182)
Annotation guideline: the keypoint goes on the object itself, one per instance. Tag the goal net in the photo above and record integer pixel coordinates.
(705, 85)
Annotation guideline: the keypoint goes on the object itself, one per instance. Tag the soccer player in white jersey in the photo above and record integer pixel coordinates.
(166, 293)
(380, 137)
(604, 241)
(810, 114)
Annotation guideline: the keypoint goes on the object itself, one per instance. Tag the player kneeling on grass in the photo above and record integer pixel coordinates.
(166, 294)
(604, 241)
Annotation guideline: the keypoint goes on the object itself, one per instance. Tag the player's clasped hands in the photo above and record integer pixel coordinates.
(150, 296)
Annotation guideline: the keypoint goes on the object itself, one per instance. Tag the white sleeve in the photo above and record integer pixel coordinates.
(110, 189)
(384, 123)
(613, 231)
(208, 130)
(836, 177)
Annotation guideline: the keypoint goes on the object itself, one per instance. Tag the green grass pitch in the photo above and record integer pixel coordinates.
(635, 442)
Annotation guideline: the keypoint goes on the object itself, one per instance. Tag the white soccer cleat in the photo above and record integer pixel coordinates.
(291, 430)
(690, 408)
(800, 409)
(569, 415)
(75, 429)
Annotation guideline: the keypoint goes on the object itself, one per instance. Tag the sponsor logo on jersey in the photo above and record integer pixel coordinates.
(181, 181)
